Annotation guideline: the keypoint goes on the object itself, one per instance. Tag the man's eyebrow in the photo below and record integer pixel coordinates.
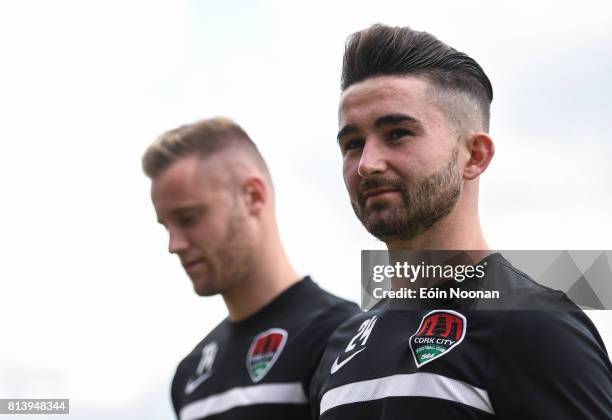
(187, 208)
(394, 119)
(347, 129)
(382, 121)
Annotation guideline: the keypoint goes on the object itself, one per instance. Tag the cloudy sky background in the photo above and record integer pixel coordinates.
(92, 307)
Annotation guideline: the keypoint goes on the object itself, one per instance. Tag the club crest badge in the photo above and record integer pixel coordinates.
(440, 331)
(265, 349)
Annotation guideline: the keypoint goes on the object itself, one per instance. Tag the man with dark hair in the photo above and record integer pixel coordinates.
(212, 191)
(414, 118)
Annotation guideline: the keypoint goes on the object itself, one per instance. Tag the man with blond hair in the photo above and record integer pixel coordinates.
(212, 191)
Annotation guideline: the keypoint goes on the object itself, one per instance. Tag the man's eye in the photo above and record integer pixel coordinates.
(351, 144)
(188, 220)
(398, 134)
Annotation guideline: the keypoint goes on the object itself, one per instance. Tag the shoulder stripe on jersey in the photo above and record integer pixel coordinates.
(419, 384)
(283, 393)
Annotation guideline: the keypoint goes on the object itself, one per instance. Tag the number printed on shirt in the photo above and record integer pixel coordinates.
(363, 333)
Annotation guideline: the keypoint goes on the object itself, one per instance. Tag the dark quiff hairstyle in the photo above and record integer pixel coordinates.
(382, 50)
(203, 138)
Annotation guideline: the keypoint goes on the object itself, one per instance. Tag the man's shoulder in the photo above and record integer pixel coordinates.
(221, 332)
(320, 307)
(521, 292)
(206, 347)
(557, 327)
(553, 361)
(321, 297)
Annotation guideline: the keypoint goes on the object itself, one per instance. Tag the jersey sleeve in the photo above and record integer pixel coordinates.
(174, 394)
(550, 365)
(177, 388)
(313, 394)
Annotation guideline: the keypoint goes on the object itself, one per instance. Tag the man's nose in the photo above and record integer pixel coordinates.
(177, 243)
(373, 159)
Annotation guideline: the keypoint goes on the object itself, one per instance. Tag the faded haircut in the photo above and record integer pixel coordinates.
(382, 50)
(203, 138)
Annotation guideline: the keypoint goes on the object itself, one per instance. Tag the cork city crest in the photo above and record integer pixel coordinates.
(265, 349)
(440, 331)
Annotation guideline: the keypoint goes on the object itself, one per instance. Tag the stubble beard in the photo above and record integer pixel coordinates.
(233, 258)
(432, 199)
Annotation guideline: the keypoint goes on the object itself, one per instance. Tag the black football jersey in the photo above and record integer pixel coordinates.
(447, 363)
(261, 367)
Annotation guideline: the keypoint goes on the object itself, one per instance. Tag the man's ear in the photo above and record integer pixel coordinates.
(481, 149)
(256, 194)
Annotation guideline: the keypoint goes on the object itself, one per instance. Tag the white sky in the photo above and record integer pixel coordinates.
(92, 306)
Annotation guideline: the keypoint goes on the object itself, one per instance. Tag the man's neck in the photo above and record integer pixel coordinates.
(271, 275)
(455, 232)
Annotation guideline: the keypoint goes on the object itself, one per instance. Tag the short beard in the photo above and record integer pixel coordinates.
(234, 256)
(433, 198)
(237, 252)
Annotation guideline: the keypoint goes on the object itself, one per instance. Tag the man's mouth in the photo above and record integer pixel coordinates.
(193, 264)
(378, 193)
